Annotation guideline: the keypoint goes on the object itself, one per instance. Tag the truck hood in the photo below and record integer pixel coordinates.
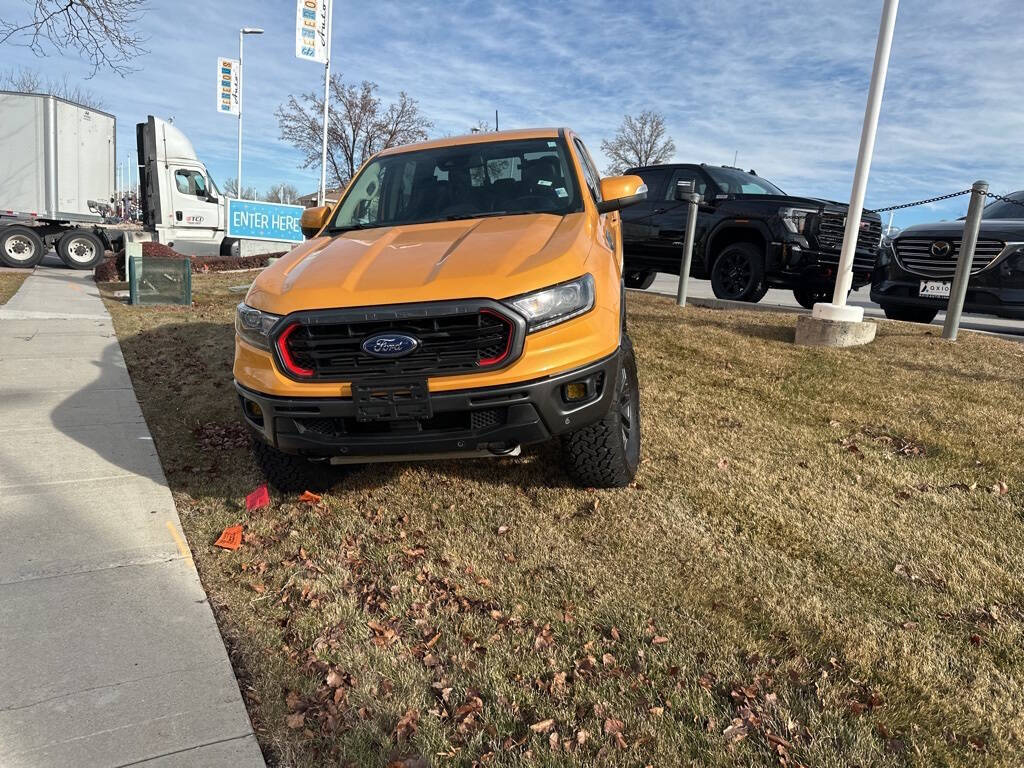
(796, 201)
(476, 258)
(1008, 230)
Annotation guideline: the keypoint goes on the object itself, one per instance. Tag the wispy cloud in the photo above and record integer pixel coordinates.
(782, 84)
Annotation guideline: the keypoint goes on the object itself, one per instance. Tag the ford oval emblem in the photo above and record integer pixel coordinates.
(390, 345)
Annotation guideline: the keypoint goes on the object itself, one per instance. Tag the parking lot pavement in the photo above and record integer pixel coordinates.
(109, 652)
(701, 289)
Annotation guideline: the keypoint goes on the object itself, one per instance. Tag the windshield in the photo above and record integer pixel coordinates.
(462, 182)
(1001, 209)
(733, 181)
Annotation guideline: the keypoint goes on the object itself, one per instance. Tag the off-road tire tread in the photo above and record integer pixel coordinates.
(595, 456)
(290, 474)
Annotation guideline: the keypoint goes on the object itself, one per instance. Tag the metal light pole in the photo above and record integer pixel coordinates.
(327, 101)
(241, 36)
(838, 309)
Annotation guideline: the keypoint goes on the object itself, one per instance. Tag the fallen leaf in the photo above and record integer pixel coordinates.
(502, 529)
(582, 736)
(231, 538)
(335, 679)
(612, 725)
(1000, 488)
(723, 464)
(615, 634)
(659, 640)
(543, 726)
(608, 660)
(293, 700)
(656, 711)
(310, 498)
(257, 499)
(408, 724)
(976, 640)
(296, 720)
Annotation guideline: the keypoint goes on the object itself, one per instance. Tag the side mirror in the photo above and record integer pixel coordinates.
(314, 219)
(620, 192)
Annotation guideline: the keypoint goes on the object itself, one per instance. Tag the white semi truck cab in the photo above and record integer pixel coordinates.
(57, 179)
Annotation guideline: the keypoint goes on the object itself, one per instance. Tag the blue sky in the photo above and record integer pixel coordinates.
(782, 83)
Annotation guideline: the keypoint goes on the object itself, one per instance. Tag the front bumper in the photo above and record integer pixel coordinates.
(484, 418)
(794, 262)
(982, 298)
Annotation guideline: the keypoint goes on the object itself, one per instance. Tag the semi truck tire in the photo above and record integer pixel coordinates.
(607, 454)
(20, 247)
(80, 249)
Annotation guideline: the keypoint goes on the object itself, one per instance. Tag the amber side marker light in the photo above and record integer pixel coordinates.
(575, 391)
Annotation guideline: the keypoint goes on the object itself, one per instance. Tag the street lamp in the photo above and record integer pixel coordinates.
(241, 36)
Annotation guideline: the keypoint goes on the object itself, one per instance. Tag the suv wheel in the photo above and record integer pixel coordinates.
(291, 474)
(639, 278)
(909, 314)
(738, 274)
(607, 454)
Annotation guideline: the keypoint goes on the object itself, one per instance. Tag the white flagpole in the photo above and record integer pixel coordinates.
(328, 7)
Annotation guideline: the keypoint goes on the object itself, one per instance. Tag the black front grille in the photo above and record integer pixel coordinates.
(447, 422)
(916, 255)
(832, 227)
(449, 343)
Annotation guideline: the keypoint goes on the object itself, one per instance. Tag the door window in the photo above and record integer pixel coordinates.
(590, 174)
(654, 178)
(190, 182)
(700, 184)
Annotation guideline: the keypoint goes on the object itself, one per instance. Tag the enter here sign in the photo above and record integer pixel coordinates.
(253, 220)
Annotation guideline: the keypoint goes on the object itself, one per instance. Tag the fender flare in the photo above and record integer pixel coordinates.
(756, 225)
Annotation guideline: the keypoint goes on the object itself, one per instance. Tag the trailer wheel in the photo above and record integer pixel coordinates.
(20, 247)
(80, 249)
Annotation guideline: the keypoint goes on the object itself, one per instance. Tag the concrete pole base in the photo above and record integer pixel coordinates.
(818, 332)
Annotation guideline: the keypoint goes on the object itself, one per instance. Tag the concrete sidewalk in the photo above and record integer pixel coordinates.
(109, 652)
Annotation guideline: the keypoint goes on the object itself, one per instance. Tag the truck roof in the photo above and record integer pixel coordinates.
(481, 137)
(58, 98)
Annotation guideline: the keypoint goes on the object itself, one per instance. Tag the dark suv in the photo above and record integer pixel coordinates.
(915, 269)
(751, 236)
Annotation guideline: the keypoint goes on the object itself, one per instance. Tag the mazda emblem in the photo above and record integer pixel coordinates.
(940, 249)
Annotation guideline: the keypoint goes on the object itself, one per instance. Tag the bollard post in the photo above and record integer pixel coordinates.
(958, 291)
(684, 194)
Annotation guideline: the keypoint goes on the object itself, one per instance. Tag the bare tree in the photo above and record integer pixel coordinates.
(282, 193)
(639, 141)
(101, 31)
(231, 190)
(359, 125)
(26, 80)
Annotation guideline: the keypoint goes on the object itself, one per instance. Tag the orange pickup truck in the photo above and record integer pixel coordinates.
(463, 299)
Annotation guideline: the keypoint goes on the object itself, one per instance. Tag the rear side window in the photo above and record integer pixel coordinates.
(700, 184)
(654, 178)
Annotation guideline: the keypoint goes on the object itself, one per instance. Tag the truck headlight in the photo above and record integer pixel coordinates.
(254, 326)
(556, 304)
(796, 219)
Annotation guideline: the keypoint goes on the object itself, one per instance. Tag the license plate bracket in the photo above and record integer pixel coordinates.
(935, 289)
(391, 400)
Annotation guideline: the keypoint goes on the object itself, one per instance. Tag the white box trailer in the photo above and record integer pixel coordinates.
(55, 157)
(57, 183)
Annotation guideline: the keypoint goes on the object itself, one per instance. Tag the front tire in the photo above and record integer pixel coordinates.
(79, 249)
(738, 274)
(606, 454)
(21, 247)
(291, 474)
(909, 314)
(639, 278)
(808, 297)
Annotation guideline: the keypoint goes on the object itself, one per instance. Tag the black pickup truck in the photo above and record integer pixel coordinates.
(750, 236)
(915, 269)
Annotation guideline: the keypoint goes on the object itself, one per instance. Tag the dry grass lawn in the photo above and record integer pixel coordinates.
(820, 563)
(10, 282)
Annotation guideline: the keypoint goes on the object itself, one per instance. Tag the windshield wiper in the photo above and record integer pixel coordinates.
(352, 227)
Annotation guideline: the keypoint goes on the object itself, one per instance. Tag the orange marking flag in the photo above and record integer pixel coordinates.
(231, 538)
(310, 498)
(257, 499)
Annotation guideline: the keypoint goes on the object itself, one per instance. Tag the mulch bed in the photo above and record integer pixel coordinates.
(111, 269)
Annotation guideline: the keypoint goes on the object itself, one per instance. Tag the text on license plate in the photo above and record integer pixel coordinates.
(935, 288)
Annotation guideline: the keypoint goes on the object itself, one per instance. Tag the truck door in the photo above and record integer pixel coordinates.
(193, 203)
(638, 231)
(669, 219)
